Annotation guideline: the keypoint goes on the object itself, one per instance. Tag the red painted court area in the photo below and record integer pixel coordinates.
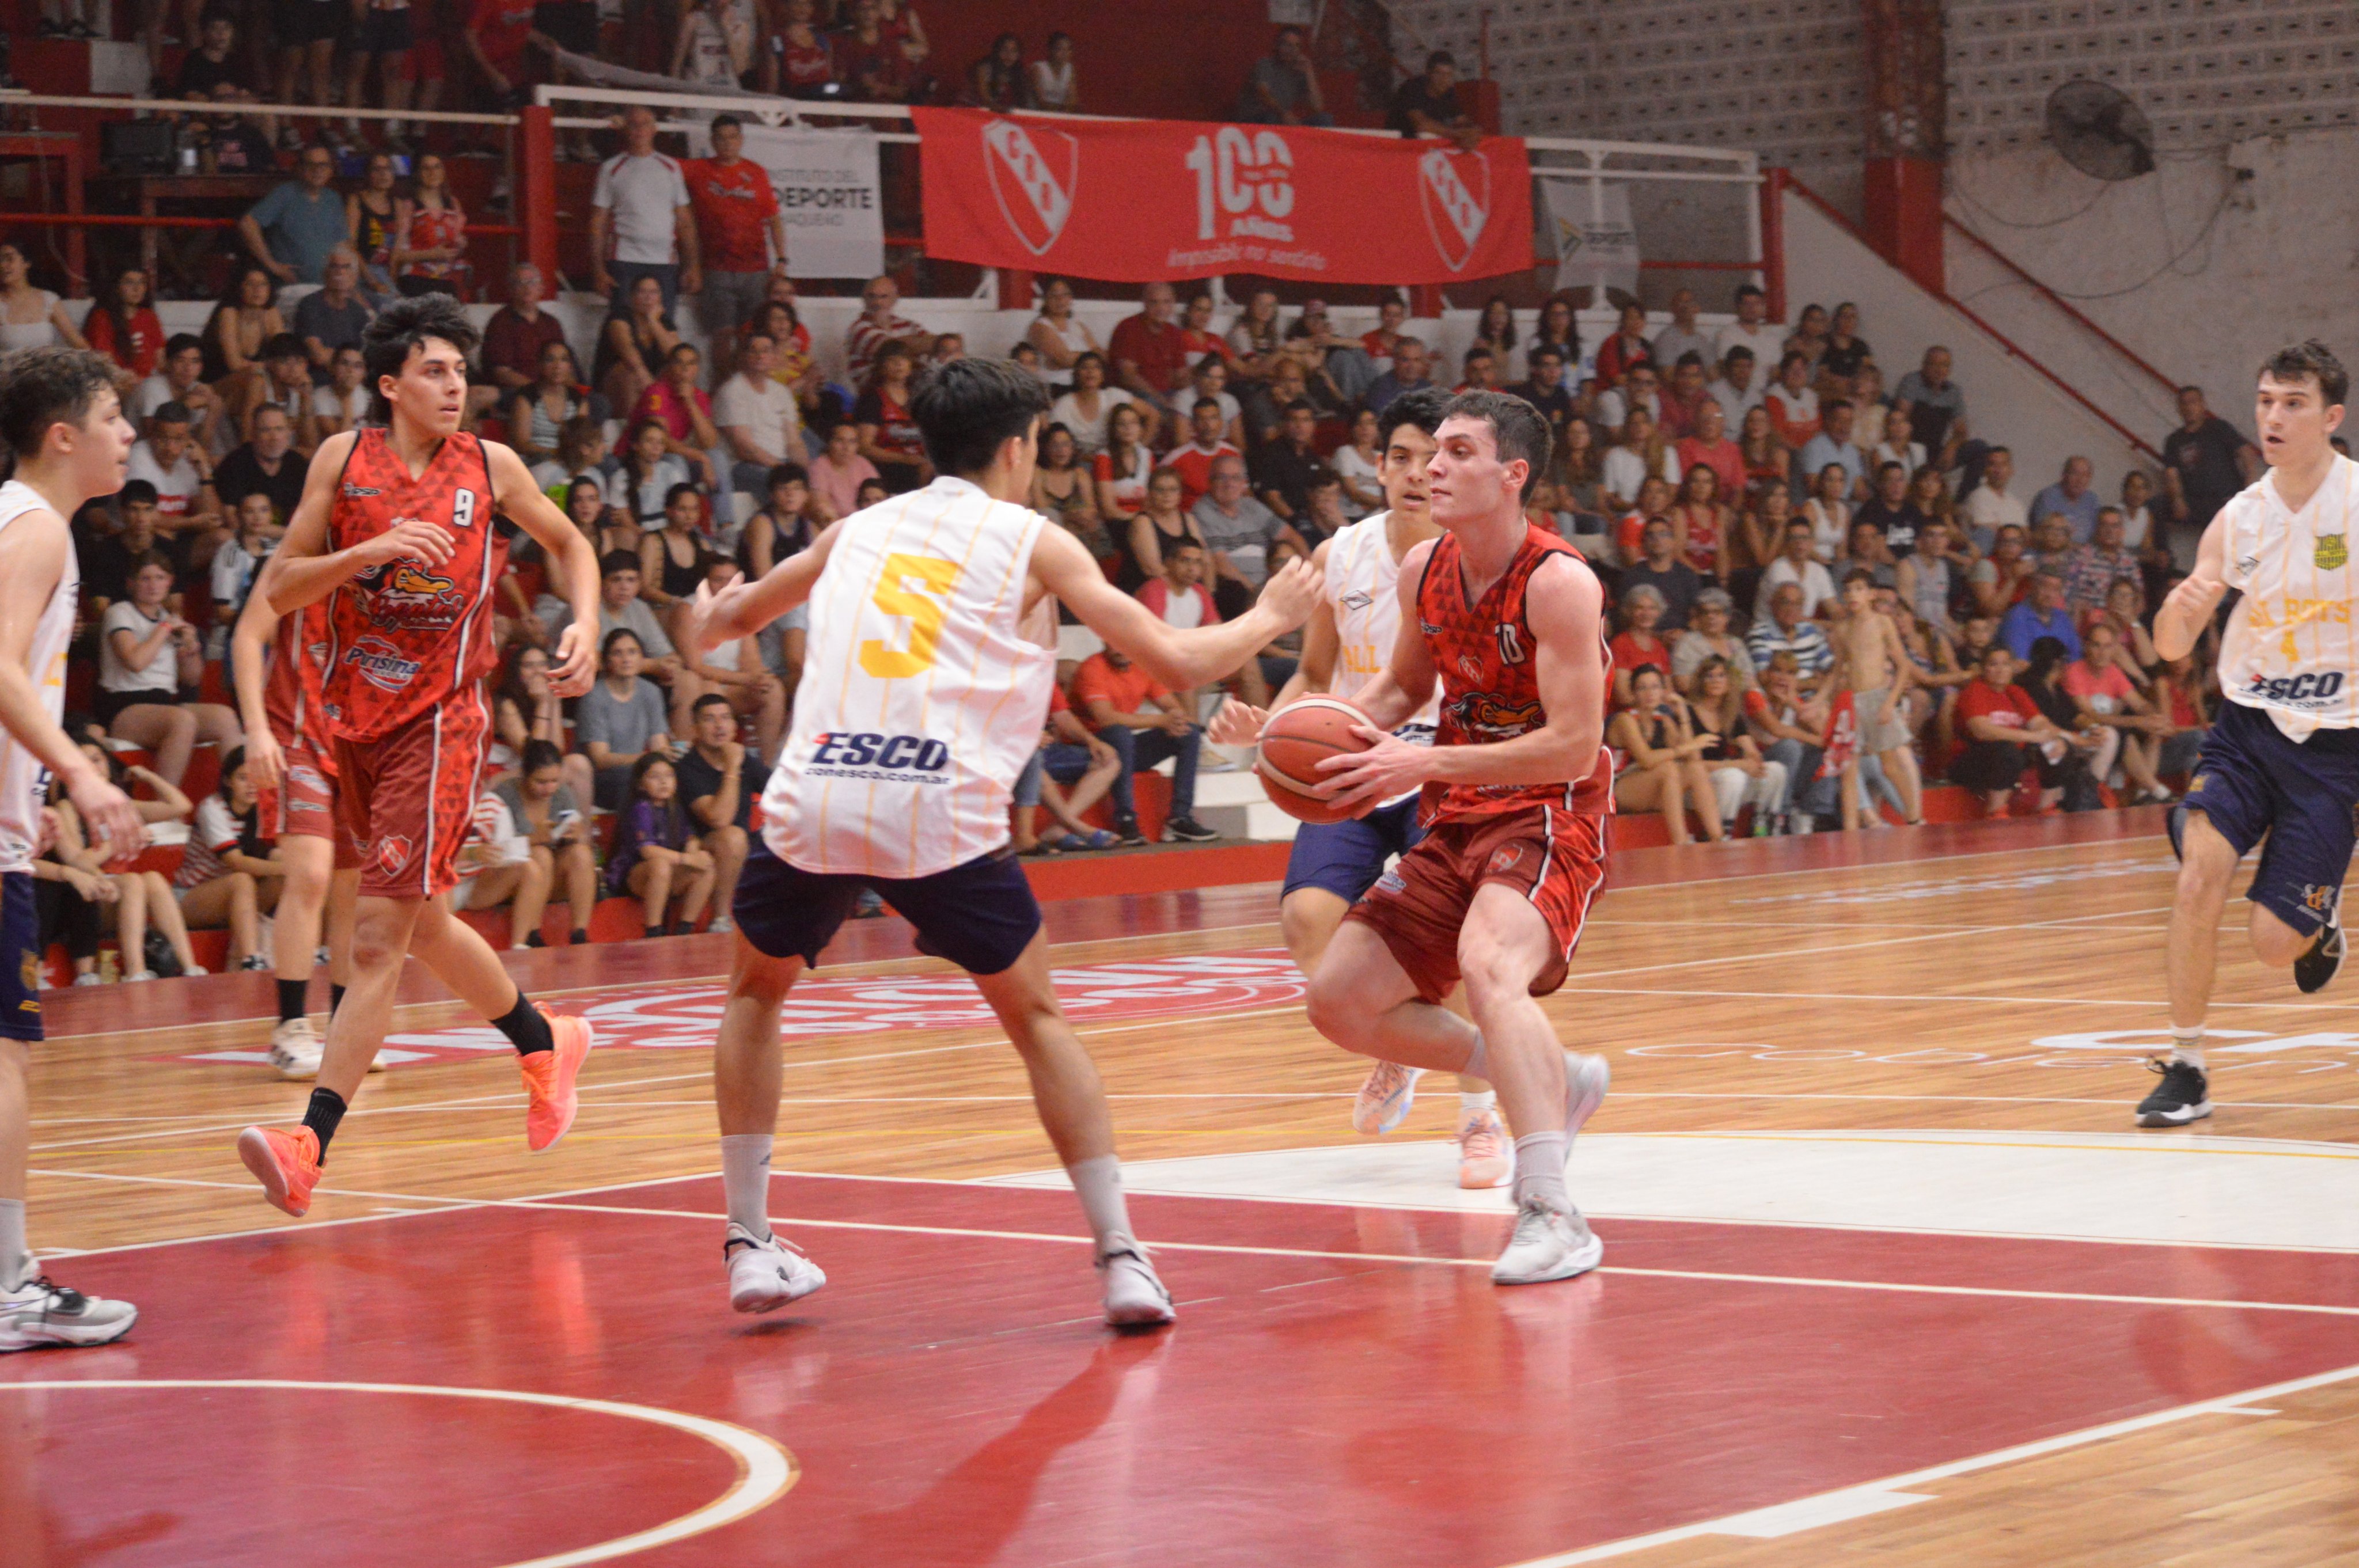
(1345, 1384)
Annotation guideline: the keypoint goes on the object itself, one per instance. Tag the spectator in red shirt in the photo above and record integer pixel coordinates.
(1178, 599)
(1391, 316)
(1150, 349)
(519, 333)
(739, 228)
(1138, 717)
(2107, 700)
(122, 327)
(1626, 348)
(1194, 462)
(2005, 733)
(685, 411)
(496, 34)
(1711, 448)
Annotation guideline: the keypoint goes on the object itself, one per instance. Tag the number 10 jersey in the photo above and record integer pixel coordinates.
(921, 701)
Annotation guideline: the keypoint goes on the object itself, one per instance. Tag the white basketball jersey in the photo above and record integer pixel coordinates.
(921, 699)
(2290, 648)
(1363, 582)
(24, 778)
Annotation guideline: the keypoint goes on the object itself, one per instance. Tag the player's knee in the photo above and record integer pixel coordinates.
(2275, 943)
(1336, 1005)
(1491, 974)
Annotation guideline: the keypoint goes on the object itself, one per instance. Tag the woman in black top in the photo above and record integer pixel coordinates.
(1160, 525)
(888, 435)
(1847, 349)
(666, 580)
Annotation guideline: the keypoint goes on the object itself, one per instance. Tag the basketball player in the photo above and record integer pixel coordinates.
(399, 530)
(290, 759)
(64, 425)
(1507, 619)
(1349, 638)
(920, 706)
(2281, 760)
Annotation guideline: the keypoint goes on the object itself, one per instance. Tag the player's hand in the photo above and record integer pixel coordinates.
(46, 839)
(108, 817)
(412, 537)
(264, 761)
(1292, 593)
(1236, 723)
(575, 664)
(699, 630)
(1390, 766)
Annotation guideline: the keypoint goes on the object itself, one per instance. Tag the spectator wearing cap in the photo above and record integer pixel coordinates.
(2041, 613)
(1427, 104)
(292, 230)
(1150, 349)
(2072, 498)
(642, 223)
(738, 227)
(1282, 89)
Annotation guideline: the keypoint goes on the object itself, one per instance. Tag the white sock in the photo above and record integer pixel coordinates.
(1478, 1060)
(1472, 1106)
(13, 1254)
(1098, 1184)
(745, 1176)
(2187, 1045)
(1540, 1170)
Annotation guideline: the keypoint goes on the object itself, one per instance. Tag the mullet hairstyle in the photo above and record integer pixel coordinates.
(45, 387)
(2307, 360)
(968, 408)
(400, 330)
(1517, 429)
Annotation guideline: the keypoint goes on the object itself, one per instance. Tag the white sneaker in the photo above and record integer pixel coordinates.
(295, 1050)
(1586, 1079)
(195, 969)
(720, 926)
(1135, 1297)
(1546, 1246)
(142, 975)
(767, 1272)
(37, 1314)
(89, 979)
(1385, 1095)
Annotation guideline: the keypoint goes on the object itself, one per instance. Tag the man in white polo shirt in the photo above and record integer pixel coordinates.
(758, 418)
(641, 211)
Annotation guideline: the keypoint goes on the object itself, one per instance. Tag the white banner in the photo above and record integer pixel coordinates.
(827, 194)
(1596, 243)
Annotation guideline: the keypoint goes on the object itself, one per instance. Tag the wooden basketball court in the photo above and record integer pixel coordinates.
(1889, 1277)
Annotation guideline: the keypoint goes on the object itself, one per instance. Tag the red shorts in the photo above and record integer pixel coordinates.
(407, 800)
(302, 803)
(1554, 857)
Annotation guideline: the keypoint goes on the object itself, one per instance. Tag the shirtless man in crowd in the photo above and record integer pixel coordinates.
(1872, 672)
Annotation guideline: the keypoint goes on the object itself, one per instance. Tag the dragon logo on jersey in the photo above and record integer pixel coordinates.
(381, 663)
(1495, 718)
(2330, 552)
(405, 596)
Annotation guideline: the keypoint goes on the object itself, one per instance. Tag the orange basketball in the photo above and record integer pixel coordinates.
(1297, 738)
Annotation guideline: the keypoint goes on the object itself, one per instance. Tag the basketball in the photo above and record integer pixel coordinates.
(1297, 738)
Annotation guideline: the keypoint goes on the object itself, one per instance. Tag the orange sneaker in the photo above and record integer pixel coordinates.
(1483, 1151)
(286, 1163)
(549, 1077)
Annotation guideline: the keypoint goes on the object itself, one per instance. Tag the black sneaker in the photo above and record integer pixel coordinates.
(2180, 1098)
(2314, 968)
(1187, 830)
(1127, 835)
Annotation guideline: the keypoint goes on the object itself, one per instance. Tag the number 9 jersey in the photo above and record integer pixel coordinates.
(921, 701)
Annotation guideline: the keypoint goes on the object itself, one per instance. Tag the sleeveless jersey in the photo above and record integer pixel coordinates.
(1363, 582)
(1484, 659)
(404, 638)
(24, 778)
(2290, 649)
(291, 689)
(921, 701)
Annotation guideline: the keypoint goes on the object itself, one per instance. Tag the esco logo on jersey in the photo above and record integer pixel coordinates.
(2306, 690)
(866, 754)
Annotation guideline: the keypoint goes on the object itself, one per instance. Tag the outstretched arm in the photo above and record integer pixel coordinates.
(256, 625)
(1179, 659)
(1239, 723)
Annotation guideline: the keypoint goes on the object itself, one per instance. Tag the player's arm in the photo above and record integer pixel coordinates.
(1179, 660)
(256, 628)
(1405, 683)
(303, 571)
(2189, 608)
(573, 563)
(33, 554)
(1563, 604)
(1239, 723)
(741, 608)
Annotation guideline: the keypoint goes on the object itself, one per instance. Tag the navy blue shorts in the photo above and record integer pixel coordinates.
(1346, 858)
(980, 916)
(2250, 781)
(20, 959)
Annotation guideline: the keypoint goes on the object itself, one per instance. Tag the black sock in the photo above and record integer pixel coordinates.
(335, 998)
(579, 936)
(292, 997)
(535, 940)
(326, 1109)
(524, 1024)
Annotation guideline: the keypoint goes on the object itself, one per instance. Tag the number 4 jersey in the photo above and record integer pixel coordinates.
(403, 637)
(920, 699)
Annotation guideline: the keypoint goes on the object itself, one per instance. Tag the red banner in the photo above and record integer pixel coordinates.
(1143, 200)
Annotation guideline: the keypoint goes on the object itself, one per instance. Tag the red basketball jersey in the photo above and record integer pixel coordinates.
(292, 693)
(1483, 656)
(404, 638)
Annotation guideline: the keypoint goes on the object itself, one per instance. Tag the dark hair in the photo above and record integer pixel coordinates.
(232, 297)
(179, 341)
(1442, 56)
(575, 489)
(1203, 403)
(1299, 406)
(135, 493)
(1424, 408)
(1832, 404)
(1689, 357)
(284, 346)
(1518, 430)
(146, 558)
(400, 330)
(675, 821)
(707, 700)
(725, 122)
(2309, 358)
(1754, 289)
(614, 561)
(787, 473)
(2046, 653)
(539, 754)
(674, 493)
(45, 387)
(606, 644)
(968, 408)
(229, 766)
(110, 304)
(1859, 574)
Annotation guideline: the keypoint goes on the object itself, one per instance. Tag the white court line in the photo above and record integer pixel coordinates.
(765, 1470)
(2230, 1405)
(2149, 1003)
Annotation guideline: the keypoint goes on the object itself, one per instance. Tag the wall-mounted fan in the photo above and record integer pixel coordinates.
(2099, 130)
